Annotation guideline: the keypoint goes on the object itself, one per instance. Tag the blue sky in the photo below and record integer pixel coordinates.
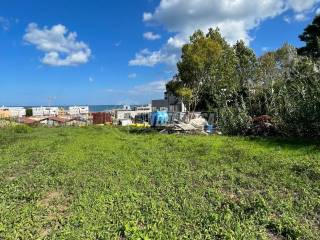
(123, 51)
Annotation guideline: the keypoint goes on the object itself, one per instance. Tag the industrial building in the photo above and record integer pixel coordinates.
(170, 103)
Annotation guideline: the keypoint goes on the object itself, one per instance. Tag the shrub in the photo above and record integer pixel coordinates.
(234, 121)
(21, 129)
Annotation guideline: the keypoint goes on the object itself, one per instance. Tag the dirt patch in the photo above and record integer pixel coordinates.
(10, 178)
(50, 197)
(56, 205)
(273, 236)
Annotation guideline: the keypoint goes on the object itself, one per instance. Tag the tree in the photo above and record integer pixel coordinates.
(222, 85)
(311, 36)
(198, 60)
(29, 112)
(186, 96)
(246, 69)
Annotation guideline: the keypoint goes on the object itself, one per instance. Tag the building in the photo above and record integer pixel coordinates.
(12, 112)
(131, 114)
(79, 110)
(4, 113)
(53, 121)
(45, 111)
(30, 121)
(101, 118)
(170, 103)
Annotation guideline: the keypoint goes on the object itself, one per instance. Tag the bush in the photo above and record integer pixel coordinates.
(234, 121)
(299, 101)
(21, 129)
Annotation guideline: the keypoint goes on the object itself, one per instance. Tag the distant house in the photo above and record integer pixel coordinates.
(131, 114)
(12, 112)
(77, 122)
(30, 121)
(79, 110)
(170, 103)
(45, 111)
(101, 118)
(53, 121)
(4, 114)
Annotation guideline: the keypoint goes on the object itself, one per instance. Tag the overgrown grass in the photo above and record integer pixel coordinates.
(105, 183)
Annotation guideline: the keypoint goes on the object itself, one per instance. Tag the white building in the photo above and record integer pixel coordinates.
(45, 111)
(131, 114)
(14, 111)
(78, 110)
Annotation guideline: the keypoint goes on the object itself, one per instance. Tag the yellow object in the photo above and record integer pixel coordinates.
(139, 125)
(4, 114)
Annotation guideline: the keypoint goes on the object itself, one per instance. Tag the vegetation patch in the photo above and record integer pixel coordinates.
(109, 183)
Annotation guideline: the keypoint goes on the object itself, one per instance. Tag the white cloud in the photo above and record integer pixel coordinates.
(60, 46)
(300, 17)
(4, 23)
(132, 75)
(147, 17)
(235, 18)
(150, 88)
(301, 5)
(151, 36)
(150, 59)
(287, 19)
(318, 11)
(138, 94)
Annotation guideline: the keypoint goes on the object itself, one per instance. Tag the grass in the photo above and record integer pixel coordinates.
(106, 183)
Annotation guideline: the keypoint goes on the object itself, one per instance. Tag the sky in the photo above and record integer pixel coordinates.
(98, 52)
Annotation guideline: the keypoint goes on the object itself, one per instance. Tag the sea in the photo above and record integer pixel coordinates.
(92, 108)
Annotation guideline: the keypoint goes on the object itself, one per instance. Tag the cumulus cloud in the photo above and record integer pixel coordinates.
(4, 23)
(147, 58)
(140, 93)
(60, 46)
(151, 36)
(300, 17)
(150, 88)
(234, 18)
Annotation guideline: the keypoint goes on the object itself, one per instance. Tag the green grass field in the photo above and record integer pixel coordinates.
(105, 183)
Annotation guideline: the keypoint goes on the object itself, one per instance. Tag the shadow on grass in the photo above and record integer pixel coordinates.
(290, 143)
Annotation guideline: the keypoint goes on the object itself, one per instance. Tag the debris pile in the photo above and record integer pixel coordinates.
(197, 125)
(262, 126)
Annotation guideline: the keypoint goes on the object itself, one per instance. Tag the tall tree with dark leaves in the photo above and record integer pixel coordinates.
(246, 68)
(311, 36)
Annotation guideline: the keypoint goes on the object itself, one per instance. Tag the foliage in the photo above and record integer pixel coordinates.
(311, 36)
(21, 129)
(186, 96)
(299, 100)
(103, 183)
(235, 120)
(29, 112)
(232, 80)
(197, 62)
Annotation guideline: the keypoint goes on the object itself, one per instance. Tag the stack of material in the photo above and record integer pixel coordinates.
(199, 123)
(195, 125)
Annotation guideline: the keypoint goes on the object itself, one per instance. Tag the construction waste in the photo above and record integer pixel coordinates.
(196, 125)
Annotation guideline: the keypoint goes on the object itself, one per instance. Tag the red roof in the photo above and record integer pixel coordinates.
(60, 120)
(29, 121)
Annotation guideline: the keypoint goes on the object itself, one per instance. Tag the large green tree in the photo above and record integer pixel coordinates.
(198, 61)
(311, 36)
(246, 70)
